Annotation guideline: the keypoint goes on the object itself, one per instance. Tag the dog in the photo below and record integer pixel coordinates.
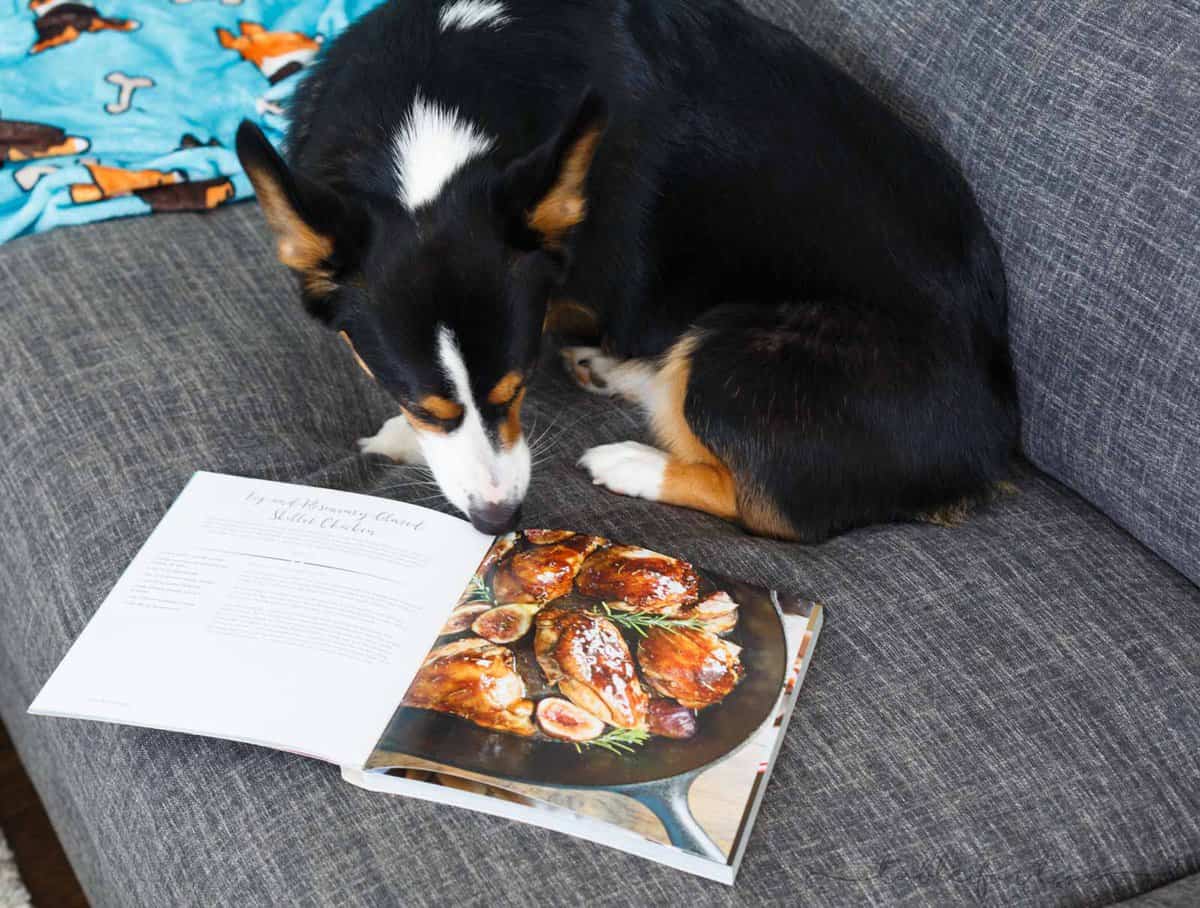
(798, 289)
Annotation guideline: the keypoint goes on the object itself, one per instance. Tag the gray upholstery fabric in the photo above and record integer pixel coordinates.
(1078, 123)
(1001, 714)
(1183, 893)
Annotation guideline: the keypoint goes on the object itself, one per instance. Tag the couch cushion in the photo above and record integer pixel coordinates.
(1078, 123)
(998, 713)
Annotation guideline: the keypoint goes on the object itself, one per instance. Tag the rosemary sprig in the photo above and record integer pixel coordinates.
(641, 622)
(619, 741)
(478, 591)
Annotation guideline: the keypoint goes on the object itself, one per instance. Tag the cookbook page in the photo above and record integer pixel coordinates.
(634, 690)
(270, 613)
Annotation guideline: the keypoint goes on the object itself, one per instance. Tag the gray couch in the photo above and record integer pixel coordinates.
(1006, 713)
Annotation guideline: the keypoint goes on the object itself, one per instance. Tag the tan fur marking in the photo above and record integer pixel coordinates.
(667, 419)
(510, 429)
(951, 516)
(957, 513)
(505, 389)
(421, 425)
(1005, 487)
(761, 515)
(441, 407)
(564, 205)
(567, 316)
(298, 246)
(699, 479)
(319, 282)
(358, 359)
(700, 486)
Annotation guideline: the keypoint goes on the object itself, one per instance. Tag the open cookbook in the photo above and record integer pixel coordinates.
(548, 676)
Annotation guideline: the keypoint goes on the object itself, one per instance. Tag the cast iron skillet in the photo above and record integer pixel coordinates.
(659, 773)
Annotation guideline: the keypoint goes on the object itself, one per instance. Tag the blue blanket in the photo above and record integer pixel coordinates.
(126, 107)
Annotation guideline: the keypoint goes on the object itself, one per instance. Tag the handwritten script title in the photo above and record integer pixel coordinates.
(316, 513)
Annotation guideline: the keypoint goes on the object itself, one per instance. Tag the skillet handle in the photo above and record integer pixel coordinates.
(668, 800)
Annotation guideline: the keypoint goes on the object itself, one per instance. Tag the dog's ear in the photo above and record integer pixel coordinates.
(544, 194)
(318, 232)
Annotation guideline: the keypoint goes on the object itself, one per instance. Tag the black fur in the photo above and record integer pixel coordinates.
(852, 365)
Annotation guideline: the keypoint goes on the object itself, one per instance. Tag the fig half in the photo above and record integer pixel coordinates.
(671, 720)
(504, 623)
(460, 619)
(562, 719)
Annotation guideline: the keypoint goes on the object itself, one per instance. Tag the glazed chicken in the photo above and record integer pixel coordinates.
(475, 680)
(545, 571)
(717, 613)
(586, 656)
(545, 537)
(637, 580)
(501, 547)
(695, 667)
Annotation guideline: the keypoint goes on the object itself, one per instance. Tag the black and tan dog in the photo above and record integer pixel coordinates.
(798, 289)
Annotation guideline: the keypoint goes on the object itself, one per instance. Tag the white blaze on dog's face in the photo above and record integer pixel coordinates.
(482, 470)
(442, 289)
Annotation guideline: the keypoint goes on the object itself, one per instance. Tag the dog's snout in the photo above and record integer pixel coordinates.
(495, 518)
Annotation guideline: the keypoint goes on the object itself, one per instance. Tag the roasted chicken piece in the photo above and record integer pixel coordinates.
(476, 680)
(586, 656)
(501, 547)
(718, 613)
(470, 596)
(543, 572)
(695, 667)
(637, 580)
(545, 537)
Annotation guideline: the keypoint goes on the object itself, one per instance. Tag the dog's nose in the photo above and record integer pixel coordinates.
(495, 519)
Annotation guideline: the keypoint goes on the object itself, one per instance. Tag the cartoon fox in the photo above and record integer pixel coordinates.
(20, 141)
(276, 54)
(162, 190)
(108, 182)
(194, 195)
(60, 22)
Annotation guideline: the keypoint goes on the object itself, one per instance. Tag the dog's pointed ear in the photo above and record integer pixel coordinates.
(543, 195)
(318, 233)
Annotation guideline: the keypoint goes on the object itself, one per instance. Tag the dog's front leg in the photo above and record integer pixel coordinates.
(687, 474)
(640, 471)
(395, 439)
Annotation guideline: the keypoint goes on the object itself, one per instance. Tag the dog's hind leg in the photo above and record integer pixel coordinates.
(595, 371)
(803, 420)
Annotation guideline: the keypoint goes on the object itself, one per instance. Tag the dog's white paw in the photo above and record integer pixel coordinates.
(627, 468)
(395, 439)
(591, 368)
